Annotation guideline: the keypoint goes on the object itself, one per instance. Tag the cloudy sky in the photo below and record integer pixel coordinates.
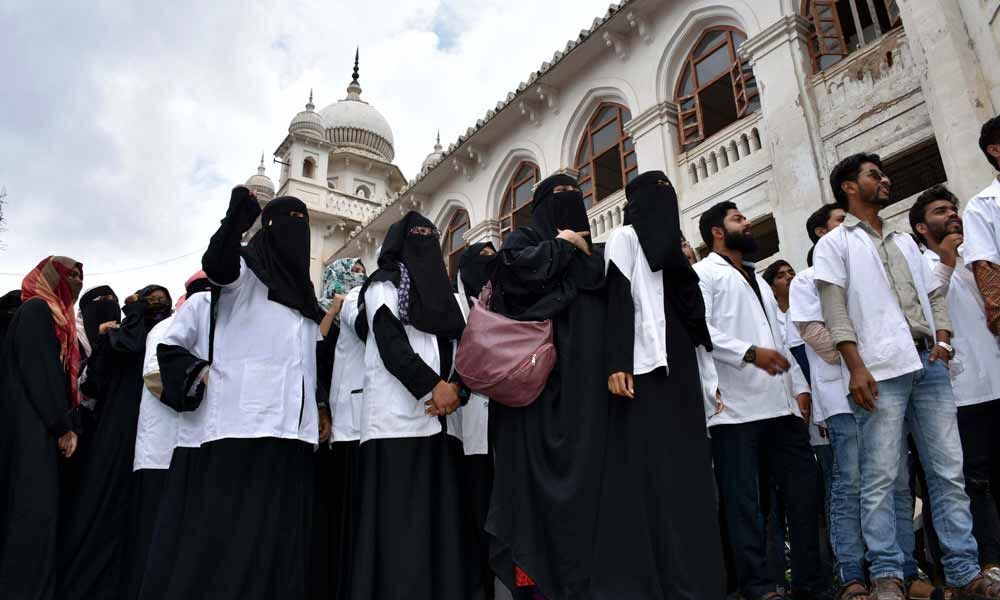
(124, 124)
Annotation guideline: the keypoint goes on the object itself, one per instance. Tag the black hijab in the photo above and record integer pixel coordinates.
(476, 269)
(95, 311)
(432, 305)
(653, 214)
(9, 304)
(278, 254)
(552, 211)
(155, 311)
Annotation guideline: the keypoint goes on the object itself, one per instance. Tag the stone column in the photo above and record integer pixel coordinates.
(789, 129)
(954, 88)
(982, 20)
(654, 133)
(484, 231)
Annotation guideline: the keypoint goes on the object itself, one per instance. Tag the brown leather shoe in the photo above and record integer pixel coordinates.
(921, 589)
(980, 588)
(887, 588)
(853, 590)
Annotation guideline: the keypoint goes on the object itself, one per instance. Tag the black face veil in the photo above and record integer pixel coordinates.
(95, 311)
(432, 305)
(653, 213)
(476, 269)
(552, 211)
(278, 255)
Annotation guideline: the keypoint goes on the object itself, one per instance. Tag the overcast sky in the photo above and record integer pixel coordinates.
(123, 125)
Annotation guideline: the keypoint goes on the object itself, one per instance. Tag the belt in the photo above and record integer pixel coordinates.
(924, 343)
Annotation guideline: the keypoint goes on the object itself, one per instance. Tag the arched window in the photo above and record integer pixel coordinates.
(839, 28)
(454, 243)
(515, 209)
(715, 88)
(308, 168)
(606, 157)
(363, 192)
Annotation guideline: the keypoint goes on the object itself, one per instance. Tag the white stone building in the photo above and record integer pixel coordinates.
(752, 101)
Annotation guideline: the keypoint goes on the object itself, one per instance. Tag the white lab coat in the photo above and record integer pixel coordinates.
(476, 412)
(348, 379)
(262, 382)
(975, 369)
(847, 257)
(829, 382)
(156, 433)
(737, 321)
(981, 224)
(389, 410)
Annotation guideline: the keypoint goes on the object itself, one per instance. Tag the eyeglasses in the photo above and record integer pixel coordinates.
(424, 230)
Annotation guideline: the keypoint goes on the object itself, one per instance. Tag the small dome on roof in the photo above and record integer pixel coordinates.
(261, 183)
(307, 122)
(434, 157)
(354, 123)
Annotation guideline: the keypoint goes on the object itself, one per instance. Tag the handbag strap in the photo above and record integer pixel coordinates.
(213, 317)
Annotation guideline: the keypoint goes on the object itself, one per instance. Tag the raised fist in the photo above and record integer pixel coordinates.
(243, 208)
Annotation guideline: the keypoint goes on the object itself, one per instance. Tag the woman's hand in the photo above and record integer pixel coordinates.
(621, 384)
(577, 238)
(444, 399)
(104, 327)
(67, 443)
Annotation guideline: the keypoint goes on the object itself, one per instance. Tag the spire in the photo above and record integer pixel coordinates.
(309, 105)
(261, 170)
(354, 90)
(437, 146)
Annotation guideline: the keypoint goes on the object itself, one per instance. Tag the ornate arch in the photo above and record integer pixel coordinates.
(606, 91)
(452, 241)
(737, 14)
(501, 178)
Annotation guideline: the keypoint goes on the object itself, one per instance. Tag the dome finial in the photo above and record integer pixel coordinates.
(309, 105)
(437, 146)
(354, 90)
(261, 170)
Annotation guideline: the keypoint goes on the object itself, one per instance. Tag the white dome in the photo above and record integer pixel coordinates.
(434, 157)
(307, 122)
(261, 183)
(355, 123)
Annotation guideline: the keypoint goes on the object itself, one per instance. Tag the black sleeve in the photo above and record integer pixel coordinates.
(45, 381)
(398, 355)
(179, 371)
(130, 338)
(538, 268)
(221, 262)
(325, 354)
(620, 324)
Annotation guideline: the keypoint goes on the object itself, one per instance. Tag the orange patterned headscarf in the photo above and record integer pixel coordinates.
(50, 282)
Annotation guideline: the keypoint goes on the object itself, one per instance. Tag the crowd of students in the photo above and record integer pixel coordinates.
(695, 418)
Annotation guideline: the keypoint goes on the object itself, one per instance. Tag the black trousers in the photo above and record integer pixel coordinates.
(977, 426)
(781, 445)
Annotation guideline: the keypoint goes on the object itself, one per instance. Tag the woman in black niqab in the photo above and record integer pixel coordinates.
(659, 538)
(9, 303)
(413, 536)
(476, 267)
(97, 528)
(278, 254)
(549, 455)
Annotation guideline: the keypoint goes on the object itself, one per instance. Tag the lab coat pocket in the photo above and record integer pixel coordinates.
(267, 392)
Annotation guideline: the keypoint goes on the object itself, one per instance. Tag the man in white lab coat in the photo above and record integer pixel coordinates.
(889, 321)
(975, 370)
(761, 424)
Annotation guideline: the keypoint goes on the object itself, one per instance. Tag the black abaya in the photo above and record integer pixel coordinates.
(332, 576)
(235, 522)
(658, 537)
(34, 412)
(549, 455)
(147, 493)
(98, 526)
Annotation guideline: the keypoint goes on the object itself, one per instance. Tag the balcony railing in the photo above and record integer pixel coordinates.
(723, 150)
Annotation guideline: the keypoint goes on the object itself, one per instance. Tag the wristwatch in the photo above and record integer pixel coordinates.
(751, 355)
(948, 348)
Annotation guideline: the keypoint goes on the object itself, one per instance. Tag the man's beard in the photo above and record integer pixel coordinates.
(740, 242)
(939, 233)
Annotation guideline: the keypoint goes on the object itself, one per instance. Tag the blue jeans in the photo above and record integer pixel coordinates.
(845, 504)
(924, 399)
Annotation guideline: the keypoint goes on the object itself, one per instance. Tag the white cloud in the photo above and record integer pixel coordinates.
(123, 125)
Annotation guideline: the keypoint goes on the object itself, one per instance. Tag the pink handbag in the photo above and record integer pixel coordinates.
(503, 359)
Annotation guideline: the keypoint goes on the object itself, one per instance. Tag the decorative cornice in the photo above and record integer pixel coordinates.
(484, 231)
(664, 113)
(788, 28)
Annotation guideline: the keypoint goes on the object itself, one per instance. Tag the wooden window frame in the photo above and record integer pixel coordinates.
(741, 77)
(834, 43)
(586, 141)
(459, 219)
(507, 210)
